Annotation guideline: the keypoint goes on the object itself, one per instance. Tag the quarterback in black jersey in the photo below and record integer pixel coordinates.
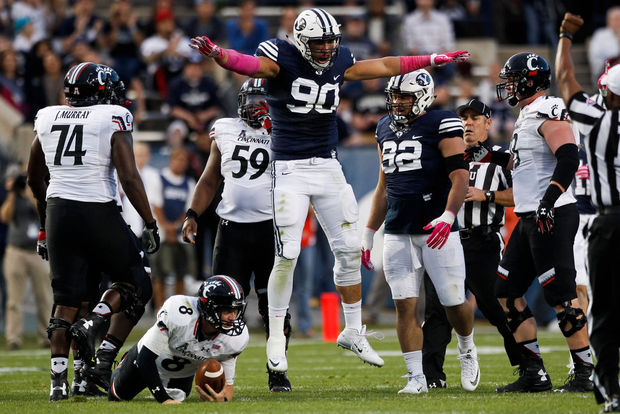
(303, 95)
(422, 184)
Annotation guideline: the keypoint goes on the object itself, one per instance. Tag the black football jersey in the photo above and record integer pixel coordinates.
(302, 102)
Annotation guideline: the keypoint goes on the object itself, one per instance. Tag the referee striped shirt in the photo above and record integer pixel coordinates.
(485, 176)
(601, 130)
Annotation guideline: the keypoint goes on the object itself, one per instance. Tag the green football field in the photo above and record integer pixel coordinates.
(324, 378)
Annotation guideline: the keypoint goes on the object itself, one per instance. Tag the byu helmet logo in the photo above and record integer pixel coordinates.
(301, 24)
(423, 79)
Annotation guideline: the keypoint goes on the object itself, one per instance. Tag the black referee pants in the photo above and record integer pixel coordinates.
(482, 254)
(603, 253)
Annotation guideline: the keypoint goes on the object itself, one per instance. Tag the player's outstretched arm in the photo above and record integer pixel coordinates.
(229, 59)
(564, 68)
(399, 65)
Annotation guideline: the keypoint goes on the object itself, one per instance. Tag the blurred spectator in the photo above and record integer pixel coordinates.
(11, 82)
(246, 32)
(36, 12)
(83, 25)
(383, 28)
(454, 10)
(229, 92)
(193, 97)
(158, 5)
(287, 19)
(605, 44)
(368, 108)
(166, 51)
(170, 200)
(57, 13)
(53, 80)
(206, 22)
(541, 22)
(25, 35)
(503, 119)
(354, 37)
(21, 261)
(427, 31)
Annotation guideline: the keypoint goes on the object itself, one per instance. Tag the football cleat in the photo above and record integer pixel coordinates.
(102, 371)
(59, 387)
(84, 333)
(278, 381)
(612, 406)
(80, 386)
(416, 384)
(436, 383)
(579, 380)
(356, 342)
(533, 378)
(470, 370)
(276, 353)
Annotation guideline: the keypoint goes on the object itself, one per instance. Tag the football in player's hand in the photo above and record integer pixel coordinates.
(210, 372)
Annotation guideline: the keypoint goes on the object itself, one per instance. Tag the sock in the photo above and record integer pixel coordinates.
(353, 315)
(59, 363)
(111, 343)
(582, 355)
(413, 360)
(531, 348)
(102, 309)
(466, 342)
(280, 285)
(77, 364)
(276, 322)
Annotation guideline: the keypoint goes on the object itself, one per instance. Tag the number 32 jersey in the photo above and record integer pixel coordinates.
(78, 151)
(303, 102)
(174, 339)
(246, 168)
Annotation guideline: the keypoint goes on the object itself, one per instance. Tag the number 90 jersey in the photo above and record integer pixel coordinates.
(303, 102)
(174, 339)
(246, 168)
(78, 151)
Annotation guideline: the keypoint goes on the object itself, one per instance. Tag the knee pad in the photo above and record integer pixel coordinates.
(288, 250)
(131, 304)
(350, 210)
(57, 324)
(573, 316)
(347, 267)
(514, 318)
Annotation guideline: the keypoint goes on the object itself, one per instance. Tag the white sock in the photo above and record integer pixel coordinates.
(353, 315)
(280, 285)
(108, 345)
(466, 342)
(276, 322)
(77, 364)
(102, 309)
(59, 364)
(413, 360)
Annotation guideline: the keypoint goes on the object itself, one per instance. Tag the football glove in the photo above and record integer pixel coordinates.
(583, 173)
(445, 58)
(545, 217)
(479, 153)
(367, 242)
(150, 238)
(441, 230)
(207, 48)
(42, 244)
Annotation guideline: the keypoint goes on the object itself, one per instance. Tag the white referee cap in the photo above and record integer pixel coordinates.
(613, 80)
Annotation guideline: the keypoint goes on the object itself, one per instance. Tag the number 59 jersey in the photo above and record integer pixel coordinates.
(77, 148)
(246, 168)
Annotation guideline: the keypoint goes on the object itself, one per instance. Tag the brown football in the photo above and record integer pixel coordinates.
(210, 372)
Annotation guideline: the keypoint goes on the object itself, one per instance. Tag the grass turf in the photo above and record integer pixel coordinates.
(324, 379)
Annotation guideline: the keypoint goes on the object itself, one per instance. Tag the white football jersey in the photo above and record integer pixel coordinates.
(533, 160)
(77, 148)
(246, 168)
(174, 339)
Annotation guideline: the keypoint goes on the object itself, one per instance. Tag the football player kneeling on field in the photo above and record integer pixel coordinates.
(188, 331)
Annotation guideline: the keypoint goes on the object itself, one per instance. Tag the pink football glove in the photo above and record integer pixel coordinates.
(456, 57)
(367, 242)
(583, 173)
(441, 231)
(207, 48)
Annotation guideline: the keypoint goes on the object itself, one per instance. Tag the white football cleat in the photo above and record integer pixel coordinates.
(356, 341)
(415, 385)
(470, 370)
(276, 353)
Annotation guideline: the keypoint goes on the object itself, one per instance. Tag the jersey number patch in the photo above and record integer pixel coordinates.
(174, 364)
(259, 160)
(402, 156)
(75, 141)
(313, 95)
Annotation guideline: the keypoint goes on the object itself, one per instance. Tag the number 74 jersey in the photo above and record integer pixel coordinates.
(246, 168)
(78, 151)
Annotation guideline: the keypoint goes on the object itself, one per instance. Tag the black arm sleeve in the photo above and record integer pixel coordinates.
(564, 172)
(148, 370)
(500, 158)
(455, 162)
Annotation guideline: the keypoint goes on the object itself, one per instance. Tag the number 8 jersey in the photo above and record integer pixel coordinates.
(246, 168)
(76, 142)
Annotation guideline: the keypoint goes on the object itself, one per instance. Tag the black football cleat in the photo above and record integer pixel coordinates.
(59, 387)
(102, 371)
(278, 381)
(579, 381)
(84, 333)
(612, 406)
(81, 386)
(533, 378)
(435, 383)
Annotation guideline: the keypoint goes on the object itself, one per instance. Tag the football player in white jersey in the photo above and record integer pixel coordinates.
(189, 330)
(79, 146)
(543, 158)
(244, 245)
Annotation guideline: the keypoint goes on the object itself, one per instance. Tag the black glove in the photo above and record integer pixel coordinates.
(545, 217)
(150, 238)
(479, 153)
(42, 244)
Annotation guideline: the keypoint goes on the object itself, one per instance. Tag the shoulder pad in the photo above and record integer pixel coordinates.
(122, 119)
(552, 108)
(269, 48)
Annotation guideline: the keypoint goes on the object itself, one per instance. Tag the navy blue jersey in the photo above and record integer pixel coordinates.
(302, 102)
(416, 178)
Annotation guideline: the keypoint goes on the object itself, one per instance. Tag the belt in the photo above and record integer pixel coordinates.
(478, 231)
(609, 210)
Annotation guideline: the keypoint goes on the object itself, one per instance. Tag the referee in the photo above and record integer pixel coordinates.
(481, 217)
(600, 127)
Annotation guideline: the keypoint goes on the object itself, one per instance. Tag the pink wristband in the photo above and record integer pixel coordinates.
(411, 63)
(240, 63)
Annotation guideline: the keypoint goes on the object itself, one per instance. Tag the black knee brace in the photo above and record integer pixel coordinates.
(57, 324)
(514, 317)
(574, 316)
(131, 305)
